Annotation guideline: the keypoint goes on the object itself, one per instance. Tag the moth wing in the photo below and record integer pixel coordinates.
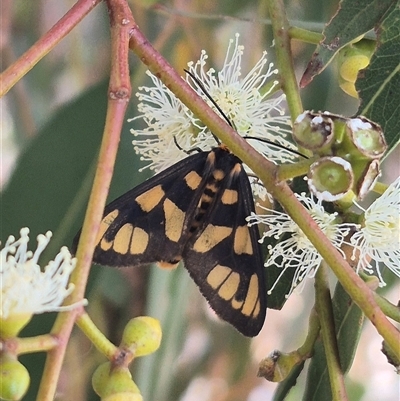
(145, 224)
(225, 260)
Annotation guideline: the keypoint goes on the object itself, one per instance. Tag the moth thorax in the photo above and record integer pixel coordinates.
(211, 189)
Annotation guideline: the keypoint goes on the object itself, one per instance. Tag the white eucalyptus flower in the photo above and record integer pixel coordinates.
(296, 251)
(26, 289)
(243, 100)
(378, 241)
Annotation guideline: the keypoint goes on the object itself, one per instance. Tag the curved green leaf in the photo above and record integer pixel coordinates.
(379, 85)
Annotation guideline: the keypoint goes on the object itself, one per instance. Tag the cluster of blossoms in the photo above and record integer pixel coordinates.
(172, 129)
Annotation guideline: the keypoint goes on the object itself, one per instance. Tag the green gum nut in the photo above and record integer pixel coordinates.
(12, 325)
(366, 138)
(330, 178)
(313, 131)
(115, 383)
(100, 378)
(14, 378)
(142, 335)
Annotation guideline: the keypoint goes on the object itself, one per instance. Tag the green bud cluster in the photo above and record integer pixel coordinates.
(112, 381)
(350, 150)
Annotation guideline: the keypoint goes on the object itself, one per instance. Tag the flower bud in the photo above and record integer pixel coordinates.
(100, 378)
(142, 335)
(14, 378)
(115, 383)
(330, 178)
(351, 59)
(277, 366)
(13, 324)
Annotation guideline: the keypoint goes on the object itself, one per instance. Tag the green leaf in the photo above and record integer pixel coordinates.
(353, 19)
(379, 87)
(348, 320)
(286, 385)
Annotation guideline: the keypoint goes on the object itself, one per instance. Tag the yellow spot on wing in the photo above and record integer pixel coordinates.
(105, 245)
(229, 197)
(236, 304)
(251, 302)
(174, 219)
(256, 310)
(218, 174)
(150, 199)
(242, 242)
(193, 180)
(236, 169)
(211, 236)
(105, 223)
(139, 241)
(218, 275)
(230, 286)
(122, 239)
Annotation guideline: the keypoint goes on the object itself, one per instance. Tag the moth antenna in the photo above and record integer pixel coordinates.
(188, 152)
(278, 145)
(201, 86)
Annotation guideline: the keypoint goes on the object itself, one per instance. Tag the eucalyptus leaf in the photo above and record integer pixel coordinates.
(379, 83)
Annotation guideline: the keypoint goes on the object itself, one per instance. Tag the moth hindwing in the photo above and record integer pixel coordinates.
(194, 211)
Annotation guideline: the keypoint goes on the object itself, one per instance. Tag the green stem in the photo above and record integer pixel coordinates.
(121, 22)
(390, 310)
(29, 345)
(98, 339)
(278, 366)
(313, 332)
(280, 28)
(380, 187)
(305, 35)
(292, 170)
(325, 314)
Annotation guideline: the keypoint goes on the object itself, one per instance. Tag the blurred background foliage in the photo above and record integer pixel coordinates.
(51, 126)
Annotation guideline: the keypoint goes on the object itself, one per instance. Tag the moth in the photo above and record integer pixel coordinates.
(195, 212)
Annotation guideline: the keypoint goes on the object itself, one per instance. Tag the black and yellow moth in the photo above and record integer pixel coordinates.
(195, 211)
